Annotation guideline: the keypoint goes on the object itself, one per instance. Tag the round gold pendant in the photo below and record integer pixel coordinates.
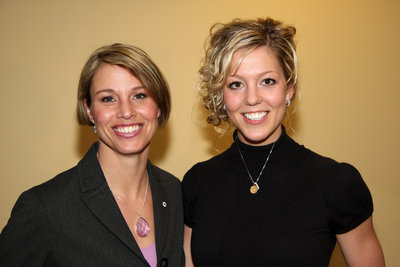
(253, 189)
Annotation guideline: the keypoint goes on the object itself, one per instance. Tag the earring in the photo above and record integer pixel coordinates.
(94, 129)
(288, 103)
(224, 107)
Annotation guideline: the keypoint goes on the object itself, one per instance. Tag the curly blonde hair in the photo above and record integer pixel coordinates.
(225, 40)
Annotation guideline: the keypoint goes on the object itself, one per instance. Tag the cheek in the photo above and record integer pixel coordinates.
(232, 101)
(276, 100)
(101, 116)
(150, 111)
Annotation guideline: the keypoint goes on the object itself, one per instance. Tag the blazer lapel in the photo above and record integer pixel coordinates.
(98, 198)
(160, 209)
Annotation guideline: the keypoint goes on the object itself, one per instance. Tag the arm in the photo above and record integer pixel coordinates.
(186, 246)
(23, 241)
(361, 246)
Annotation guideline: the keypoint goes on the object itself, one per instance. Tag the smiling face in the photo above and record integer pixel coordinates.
(124, 113)
(255, 96)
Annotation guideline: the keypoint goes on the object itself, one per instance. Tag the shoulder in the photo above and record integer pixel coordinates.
(37, 206)
(203, 174)
(328, 168)
(210, 166)
(164, 176)
(315, 160)
(70, 180)
(346, 196)
(44, 200)
(59, 185)
(333, 178)
(167, 181)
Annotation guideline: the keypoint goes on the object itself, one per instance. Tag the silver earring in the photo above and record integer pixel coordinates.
(224, 107)
(288, 103)
(94, 129)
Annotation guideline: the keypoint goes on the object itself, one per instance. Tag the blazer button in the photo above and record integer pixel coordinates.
(164, 262)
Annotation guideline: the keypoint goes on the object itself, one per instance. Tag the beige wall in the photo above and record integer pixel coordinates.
(348, 53)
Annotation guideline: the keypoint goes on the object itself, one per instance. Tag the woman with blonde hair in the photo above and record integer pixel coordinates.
(115, 208)
(268, 201)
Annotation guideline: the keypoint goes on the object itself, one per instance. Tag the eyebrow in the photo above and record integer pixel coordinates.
(109, 90)
(259, 74)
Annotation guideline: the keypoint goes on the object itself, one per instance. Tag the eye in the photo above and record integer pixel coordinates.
(107, 99)
(140, 96)
(234, 85)
(268, 81)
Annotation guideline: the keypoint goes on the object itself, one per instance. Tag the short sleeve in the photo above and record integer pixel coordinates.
(348, 200)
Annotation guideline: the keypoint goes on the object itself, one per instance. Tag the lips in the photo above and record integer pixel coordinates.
(255, 116)
(127, 129)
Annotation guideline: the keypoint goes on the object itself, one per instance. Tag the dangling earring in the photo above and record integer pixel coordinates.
(224, 107)
(288, 103)
(94, 129)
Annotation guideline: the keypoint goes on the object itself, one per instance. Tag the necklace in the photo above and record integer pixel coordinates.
(254, 188)
(142, 227)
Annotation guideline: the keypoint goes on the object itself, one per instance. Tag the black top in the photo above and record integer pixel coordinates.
(74, 220)
(303, 201)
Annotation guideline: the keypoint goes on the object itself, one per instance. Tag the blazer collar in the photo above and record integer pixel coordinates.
(160, 209)
(98, 198)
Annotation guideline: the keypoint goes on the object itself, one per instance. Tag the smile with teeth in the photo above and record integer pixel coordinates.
(255, 116)
(128, 129)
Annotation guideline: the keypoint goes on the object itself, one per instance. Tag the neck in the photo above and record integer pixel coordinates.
(125, 174)
(263, 140)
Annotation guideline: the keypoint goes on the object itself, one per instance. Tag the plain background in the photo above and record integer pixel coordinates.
(348, 65)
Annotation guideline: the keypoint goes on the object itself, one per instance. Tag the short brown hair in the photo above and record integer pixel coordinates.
(138, 63)
(225, 40)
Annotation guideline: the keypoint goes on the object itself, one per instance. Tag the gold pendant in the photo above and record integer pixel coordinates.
(254, 188)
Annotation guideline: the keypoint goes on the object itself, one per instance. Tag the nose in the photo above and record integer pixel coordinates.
(126, 110)
(253, 96)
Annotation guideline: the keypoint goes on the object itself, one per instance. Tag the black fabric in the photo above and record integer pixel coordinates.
(73, 220)
(303, 201)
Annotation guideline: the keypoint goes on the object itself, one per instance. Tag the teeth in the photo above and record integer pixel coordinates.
(129, 129)
(255, 116)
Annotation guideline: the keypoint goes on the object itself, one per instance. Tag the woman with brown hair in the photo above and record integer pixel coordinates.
(114, 208)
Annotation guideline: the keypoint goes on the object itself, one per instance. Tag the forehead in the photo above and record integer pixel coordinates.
(261, 58)
(114, 77)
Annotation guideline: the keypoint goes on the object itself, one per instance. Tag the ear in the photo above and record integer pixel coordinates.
(88, 111)
(290, 92)
(158, 113)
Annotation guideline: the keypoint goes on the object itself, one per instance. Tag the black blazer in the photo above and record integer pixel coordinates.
(73, 220)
